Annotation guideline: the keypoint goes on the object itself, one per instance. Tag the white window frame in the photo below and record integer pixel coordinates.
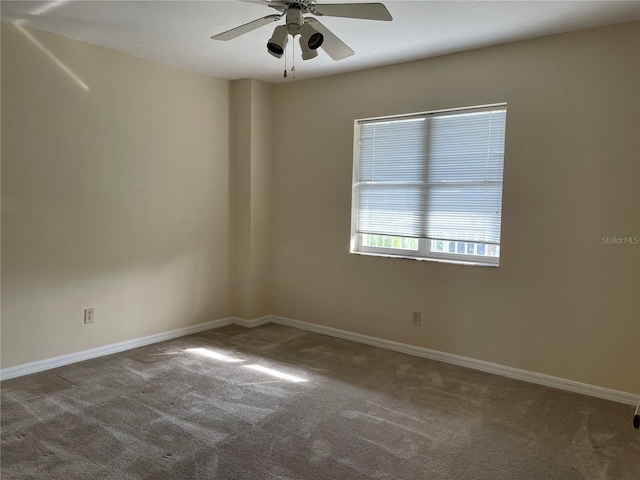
(424, 250)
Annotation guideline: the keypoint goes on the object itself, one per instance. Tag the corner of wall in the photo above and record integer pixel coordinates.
(251, 105)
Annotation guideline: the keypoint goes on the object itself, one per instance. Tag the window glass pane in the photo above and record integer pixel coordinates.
(466, 147)
(388, 210)
(392, 151)
(469, 211)
(465, 248)
(390, 242)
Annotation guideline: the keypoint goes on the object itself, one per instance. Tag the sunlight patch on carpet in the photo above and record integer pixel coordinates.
(207, 352)
(276, 373)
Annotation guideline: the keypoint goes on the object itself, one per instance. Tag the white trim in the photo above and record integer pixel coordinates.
(389, 254)
(510, 372)
(525, 375)
(54, 362)
(256, 322)
(444, 111)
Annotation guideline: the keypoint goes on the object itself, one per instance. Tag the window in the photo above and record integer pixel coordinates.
(429, 185)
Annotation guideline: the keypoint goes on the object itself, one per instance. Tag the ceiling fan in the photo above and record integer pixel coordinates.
(313, 34)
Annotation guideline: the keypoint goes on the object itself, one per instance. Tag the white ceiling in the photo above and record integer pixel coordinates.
(178, 33)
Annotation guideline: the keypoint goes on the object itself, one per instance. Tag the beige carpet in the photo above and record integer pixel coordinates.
(279, 403)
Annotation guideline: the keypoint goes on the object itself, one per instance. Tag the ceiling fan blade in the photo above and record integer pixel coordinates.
(246, 28)
(260, 2)
(367, 11)
(277, 4)
(335, 47)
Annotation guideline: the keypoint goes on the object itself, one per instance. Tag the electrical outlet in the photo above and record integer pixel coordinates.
(88, 315)
(416, 319)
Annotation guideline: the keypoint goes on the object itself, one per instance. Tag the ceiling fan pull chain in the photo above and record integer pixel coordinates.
(293, 60)
(285, 62)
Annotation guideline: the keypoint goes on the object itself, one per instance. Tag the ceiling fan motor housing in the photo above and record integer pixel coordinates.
(296, 25)
(294, 19)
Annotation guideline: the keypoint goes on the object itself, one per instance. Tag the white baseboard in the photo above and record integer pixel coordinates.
(516, 373)
(525, 375)
(256, 322)
(49, 363)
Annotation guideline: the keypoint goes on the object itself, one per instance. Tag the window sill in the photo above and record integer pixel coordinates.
(428, 259)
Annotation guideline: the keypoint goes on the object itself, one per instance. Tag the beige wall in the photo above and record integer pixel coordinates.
(114, 197)
(164, 198)
(251, 105)
(561, 303)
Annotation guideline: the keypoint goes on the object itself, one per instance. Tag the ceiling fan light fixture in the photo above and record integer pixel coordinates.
(307, 53)
(311, 37)
(278, 41)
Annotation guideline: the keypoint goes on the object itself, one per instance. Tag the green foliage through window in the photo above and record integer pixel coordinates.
(386, 241)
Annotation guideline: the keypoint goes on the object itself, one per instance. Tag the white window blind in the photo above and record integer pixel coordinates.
(392, 156)
(435, 176)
